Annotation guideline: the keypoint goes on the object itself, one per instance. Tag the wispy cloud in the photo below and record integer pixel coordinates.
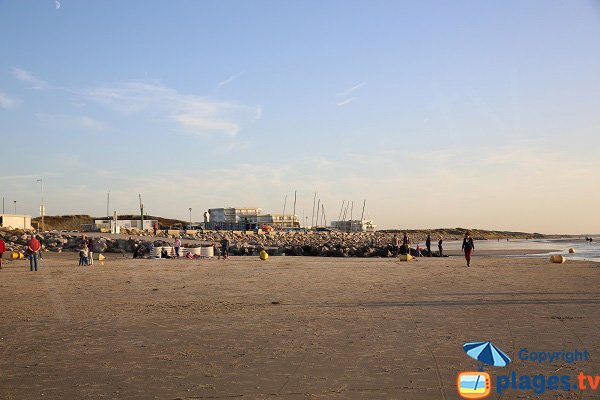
(229, 80)
(258, 112)
(103, 172)
(72, 121)
(347, 101)
(197, 115)
(7, 102)
(199, 123)
(26, 76)
(350, 90)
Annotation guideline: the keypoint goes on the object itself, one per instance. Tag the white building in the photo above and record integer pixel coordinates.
(285, 220)
(108, 224)
(233, 215)
(15, 221)
(248, 218)
(357, 225)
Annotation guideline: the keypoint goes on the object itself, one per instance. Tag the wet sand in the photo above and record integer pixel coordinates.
(289, 328)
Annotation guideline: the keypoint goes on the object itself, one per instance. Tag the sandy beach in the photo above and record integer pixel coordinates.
(289, 328)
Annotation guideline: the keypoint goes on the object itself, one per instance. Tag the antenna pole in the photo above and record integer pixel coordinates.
(363, 211)
(141, 213)
(294, 213)
(312, 219)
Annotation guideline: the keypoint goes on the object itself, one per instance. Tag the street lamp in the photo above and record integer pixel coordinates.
(42, 210)
(190, 218)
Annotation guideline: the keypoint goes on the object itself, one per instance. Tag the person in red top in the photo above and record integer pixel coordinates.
(33, 247)
(2, 250)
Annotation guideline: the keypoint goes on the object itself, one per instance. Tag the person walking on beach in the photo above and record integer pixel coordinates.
(177, 245)
(468, 247)
(2, 250)
(225, 248)
(33, 247)
(440, 248)
(428, 245)
(155, 228)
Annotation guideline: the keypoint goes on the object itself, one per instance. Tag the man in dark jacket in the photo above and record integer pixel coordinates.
(467, 247)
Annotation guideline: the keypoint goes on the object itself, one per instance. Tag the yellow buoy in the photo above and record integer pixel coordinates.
(571, 250)
(558, 259)
(15, 255)
(264, 255)
(406, 257)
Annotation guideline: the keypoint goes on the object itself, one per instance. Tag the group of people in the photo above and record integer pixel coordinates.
(33, 252)
(86, 252)
(467, 246)
(221, 249)
(405, 248)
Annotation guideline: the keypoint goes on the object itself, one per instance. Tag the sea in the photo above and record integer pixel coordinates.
(583, 250)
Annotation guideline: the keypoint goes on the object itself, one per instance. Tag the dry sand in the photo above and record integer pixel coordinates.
(289, 328)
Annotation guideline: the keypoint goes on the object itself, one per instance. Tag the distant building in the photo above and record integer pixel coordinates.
(107, 225)
(358, 225)
(285, 221)
(247, 219)
(15, 221)
(233, 219)
(232, 214)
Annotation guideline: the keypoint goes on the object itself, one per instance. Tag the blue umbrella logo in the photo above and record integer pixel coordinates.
(486, 353)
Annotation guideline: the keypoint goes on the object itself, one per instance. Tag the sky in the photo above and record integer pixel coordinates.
(438, 114)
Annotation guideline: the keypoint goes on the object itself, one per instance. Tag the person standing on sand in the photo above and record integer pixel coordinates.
(395, 245)
(468, 247)
(428, 245)
(33, 247)
(177, 245)
(90, 247)
(440, 248)
(405, 244)
(155, 228)
(2, 250)
(83, 255)
(225, 248)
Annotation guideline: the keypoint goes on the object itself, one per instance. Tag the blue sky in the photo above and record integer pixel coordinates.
(440, 114)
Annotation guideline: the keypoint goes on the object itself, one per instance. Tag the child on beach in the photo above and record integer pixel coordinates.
(83, 255)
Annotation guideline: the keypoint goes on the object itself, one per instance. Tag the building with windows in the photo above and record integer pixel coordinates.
(247, 219)
(357, 225)
(233, 215)
(108, 225)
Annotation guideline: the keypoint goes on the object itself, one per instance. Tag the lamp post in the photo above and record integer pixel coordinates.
(190, 219)
(42, 210)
